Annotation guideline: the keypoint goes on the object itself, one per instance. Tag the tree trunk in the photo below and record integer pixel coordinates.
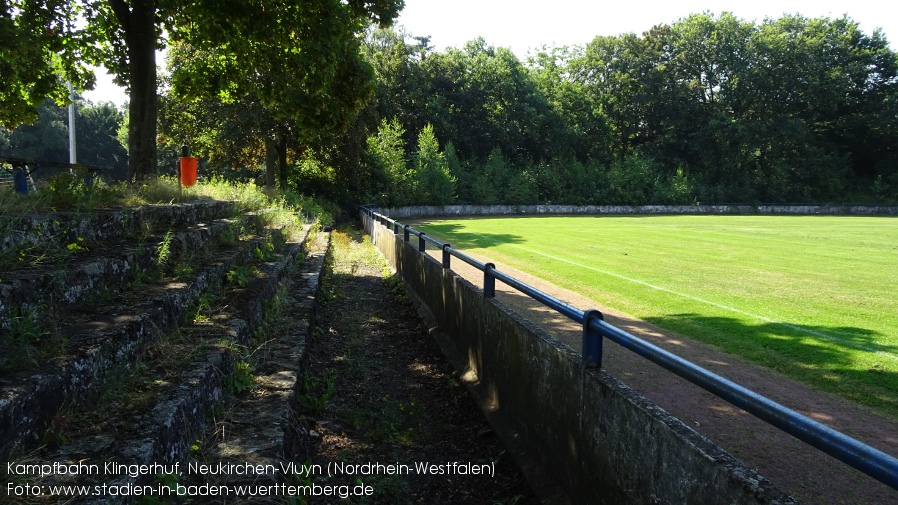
(139, 24)
(270, 164)
(282, 157)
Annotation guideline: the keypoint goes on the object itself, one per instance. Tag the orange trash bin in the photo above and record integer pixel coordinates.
(188, 170)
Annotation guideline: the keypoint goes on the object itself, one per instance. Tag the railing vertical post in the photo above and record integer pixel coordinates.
(421, 243)
(406, 233)
(489, 282)
(446, 256)
(592, 340)
(395, 227)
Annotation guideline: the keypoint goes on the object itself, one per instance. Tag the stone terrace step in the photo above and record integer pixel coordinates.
(261, 427)
(99, 344)
(47, 290)
(166, 432)
(46, 231)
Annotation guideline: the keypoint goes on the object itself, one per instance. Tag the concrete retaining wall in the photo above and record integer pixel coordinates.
(590, 436)
(504, 210)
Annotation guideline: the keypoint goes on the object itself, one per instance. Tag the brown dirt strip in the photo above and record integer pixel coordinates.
(380, 391)
(799, 469)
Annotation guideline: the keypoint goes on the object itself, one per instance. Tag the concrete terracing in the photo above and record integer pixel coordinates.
(118, 349)
(579, 431)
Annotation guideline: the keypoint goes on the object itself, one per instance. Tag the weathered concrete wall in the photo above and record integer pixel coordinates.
(591, 436)
(504, 210)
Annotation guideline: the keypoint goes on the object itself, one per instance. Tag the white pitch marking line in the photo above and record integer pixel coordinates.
(701, 300)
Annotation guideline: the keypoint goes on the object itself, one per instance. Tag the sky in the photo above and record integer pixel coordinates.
(524, 25)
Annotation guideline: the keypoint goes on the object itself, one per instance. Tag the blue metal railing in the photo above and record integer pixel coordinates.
(873, 462)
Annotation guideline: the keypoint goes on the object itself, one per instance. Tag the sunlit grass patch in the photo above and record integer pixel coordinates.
(811, 296)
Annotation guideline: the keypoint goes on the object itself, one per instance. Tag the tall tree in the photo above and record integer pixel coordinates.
(402, 87)
(579, 127)
(39, 53)
(434, 184)
(314, 36)
(302, 61)
(386, 154)
(98, 145)
(48, 138)
(45, 140)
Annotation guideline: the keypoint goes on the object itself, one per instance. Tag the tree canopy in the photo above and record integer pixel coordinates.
(710, 108)
(48, 138)
(304, 49)
(706, 109)
(38, 52)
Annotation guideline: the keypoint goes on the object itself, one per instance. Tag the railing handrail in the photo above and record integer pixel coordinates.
(869, 460)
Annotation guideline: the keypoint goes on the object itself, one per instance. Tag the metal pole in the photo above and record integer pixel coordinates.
(592, 340)
(73, 148)
(446, 256)
(489, 282)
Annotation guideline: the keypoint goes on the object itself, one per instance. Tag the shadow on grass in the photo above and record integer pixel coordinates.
(852, 362)
(465, 240)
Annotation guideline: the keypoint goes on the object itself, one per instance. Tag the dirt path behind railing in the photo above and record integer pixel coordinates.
(379, 391)
(799, 469)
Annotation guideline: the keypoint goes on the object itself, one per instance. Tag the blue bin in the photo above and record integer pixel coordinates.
(20, 181)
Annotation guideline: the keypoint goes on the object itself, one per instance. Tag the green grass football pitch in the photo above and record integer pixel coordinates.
(815, 297)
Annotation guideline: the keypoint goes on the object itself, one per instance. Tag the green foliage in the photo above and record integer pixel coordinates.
(386, 153)
(241, 379)
(492, 180)
(632, 180)
(169, 480)
(77, 246)
(47, 139)
(433, 182)
(301, 60)
(202, 309)
(264, 251)
(38, 48)
(21, 341)
(274, 306)
(164, 252)
(317, 392)
(708, 108)
(543, 178)
(521, 189)
(294, 76)
(239, 275)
